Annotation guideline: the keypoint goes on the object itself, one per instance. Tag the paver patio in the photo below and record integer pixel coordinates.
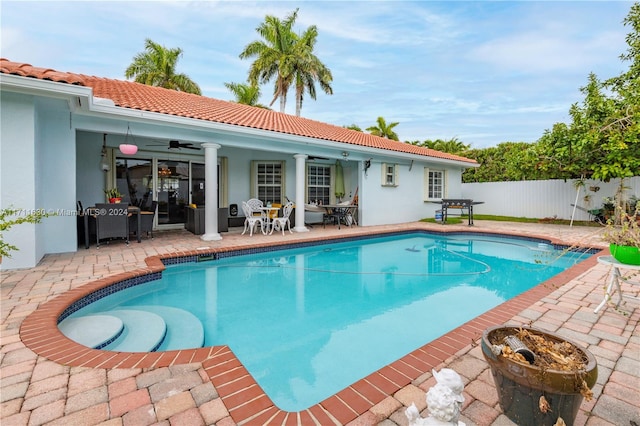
(36, 390)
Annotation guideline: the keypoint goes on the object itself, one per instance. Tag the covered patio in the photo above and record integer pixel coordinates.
(186, 389)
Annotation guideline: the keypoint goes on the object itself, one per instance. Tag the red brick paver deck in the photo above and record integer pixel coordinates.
(47, 379)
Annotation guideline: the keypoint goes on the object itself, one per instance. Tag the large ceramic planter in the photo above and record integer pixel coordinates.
(625, 254)
(520, 385)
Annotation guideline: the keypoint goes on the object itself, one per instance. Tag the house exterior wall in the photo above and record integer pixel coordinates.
(56, 177)
(38, 173)
(17, 174)
(405, 202)
(50, 156)
(543, 198)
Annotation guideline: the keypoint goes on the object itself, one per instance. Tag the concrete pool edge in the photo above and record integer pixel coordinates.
(239, 392)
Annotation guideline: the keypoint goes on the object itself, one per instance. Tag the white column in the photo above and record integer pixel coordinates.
(300, 192)
(211, 192)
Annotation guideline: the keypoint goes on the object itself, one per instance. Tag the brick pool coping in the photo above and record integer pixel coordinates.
(243, 397)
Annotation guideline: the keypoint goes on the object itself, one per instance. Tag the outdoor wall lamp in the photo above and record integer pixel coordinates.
(367, 164)
(126, 148)
(104, 161)
(345, 155)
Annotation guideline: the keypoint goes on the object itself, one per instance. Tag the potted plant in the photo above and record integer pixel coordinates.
(540, 377)
(113, 195)
(623, 236)
(608, 207)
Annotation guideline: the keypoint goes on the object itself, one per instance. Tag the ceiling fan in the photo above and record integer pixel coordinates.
(175, 144)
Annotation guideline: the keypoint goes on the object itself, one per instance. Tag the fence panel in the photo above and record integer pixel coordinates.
(544, 198)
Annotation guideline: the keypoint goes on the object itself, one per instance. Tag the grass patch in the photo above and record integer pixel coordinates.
(553, 221)
(450, 220)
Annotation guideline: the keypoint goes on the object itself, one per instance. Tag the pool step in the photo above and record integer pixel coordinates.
(93, 331)
(184, 330)
(144, 329)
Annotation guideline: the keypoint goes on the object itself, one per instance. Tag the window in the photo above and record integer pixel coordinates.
(434, 184)
(319, 184)
(389, 174)
(268, 181)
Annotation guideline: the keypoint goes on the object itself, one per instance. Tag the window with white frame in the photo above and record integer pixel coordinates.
(319, 183)
(389, 174)
(268, 181)
(434, 184)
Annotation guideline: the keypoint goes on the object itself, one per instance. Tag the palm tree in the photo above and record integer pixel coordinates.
(451, 146)
(287, 57)
(246, 94)
(156, 66)
(383, 129)
(308, 69)
(353, 127)
(273, 55)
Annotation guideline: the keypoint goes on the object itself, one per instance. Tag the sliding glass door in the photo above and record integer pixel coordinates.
(134, 180)
(173, 184)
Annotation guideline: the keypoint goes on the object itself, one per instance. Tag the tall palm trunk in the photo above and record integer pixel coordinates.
(299, 90)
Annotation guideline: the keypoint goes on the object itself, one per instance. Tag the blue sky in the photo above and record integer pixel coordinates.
(483, 72)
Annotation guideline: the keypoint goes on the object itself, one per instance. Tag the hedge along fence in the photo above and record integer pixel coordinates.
(544, 198)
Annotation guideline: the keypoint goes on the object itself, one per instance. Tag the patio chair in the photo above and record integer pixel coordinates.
(146, 220)
(112, 221)
(280, 222)
(256, 207)
(251, 220)
(343, 212)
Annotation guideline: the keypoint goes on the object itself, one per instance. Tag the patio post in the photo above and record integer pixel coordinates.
(210, 192)
(300, 173)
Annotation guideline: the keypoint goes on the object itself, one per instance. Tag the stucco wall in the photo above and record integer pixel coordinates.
(381, 205)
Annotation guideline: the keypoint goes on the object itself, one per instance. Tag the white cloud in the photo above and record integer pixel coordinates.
(484, 72)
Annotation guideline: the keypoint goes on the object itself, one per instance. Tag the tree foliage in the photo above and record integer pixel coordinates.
(452, 146)
(383, 129)
(508, 161)
(10, 217)
(246, 94)
(287, 57)
(603, 140)
(353, 127)
(156, 66)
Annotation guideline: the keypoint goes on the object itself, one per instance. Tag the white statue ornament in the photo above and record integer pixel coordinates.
(444, 401)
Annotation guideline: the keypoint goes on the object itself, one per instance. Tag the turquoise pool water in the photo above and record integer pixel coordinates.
(308, 322)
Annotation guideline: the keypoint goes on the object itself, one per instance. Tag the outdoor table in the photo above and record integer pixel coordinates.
(339, 211)
(268, 210)
(91, 212)
(614, 280)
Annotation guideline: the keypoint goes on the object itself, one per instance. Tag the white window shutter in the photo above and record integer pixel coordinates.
(253, 181)
(425, 185)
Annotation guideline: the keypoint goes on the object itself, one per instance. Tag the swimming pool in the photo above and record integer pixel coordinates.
(324, 316)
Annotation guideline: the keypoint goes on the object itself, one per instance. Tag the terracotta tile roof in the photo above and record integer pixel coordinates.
(132, 95)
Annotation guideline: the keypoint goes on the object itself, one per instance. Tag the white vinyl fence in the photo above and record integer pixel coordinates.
(544, 198)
